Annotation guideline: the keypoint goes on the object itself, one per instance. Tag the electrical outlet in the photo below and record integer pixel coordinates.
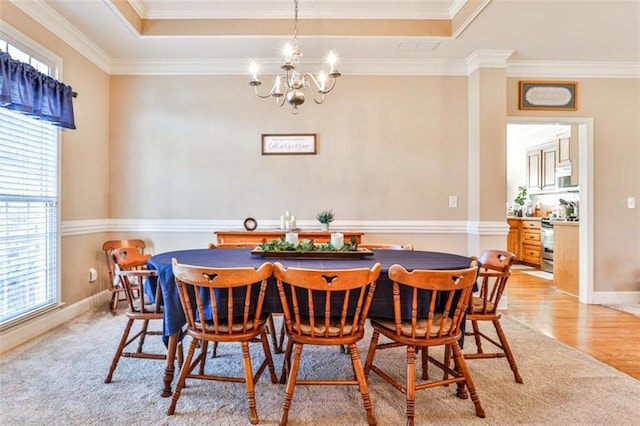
(453, 201)
(93, 275)
(631, 202)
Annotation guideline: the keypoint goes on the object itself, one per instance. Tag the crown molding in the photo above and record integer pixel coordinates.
(311, 9)
(61, 28)
(545, 69)
(240, 67)
(457, 6)
(487, 59)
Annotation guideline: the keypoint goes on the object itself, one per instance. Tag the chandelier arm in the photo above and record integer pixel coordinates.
(321, 98)
(309, 78)
(333, 84)
(255, 89)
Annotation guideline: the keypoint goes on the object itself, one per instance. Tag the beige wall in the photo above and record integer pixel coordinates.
(386, 150)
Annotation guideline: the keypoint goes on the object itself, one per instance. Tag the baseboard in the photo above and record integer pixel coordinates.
(616, 297)
(34, 328)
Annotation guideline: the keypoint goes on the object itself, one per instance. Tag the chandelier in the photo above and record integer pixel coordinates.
(291, 85)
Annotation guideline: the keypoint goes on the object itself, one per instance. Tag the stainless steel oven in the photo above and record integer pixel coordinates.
(546, 227)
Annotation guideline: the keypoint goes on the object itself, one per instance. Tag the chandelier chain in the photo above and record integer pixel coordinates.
(295, 27)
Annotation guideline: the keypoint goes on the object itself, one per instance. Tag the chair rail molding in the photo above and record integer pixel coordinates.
(461, 227)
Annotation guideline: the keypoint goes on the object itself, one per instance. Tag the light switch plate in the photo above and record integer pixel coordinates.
(631, 202)
(453, 201)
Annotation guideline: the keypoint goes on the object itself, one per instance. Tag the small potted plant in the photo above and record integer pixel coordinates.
(325, 218)
(520, 199)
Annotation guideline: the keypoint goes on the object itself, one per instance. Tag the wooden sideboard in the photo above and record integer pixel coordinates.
(259, 237)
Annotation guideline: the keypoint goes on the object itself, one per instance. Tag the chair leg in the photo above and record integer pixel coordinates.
(411, 385)
(286, 364)
(291, 382)
(461, 366)
(372, 351)
(362, 383)
(477, 336)
(283, 333)
(113, 305)
(180, 354)
(507, 350)
(214, 350)
(186, 367)
(203, 350)
(121, 345)
(248, 377)
(143, 334)
(425, 362)
(268, 357)
(447, 361)
(274, 336)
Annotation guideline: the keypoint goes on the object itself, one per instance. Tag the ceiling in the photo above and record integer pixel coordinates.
(525, 135)
(544, 38)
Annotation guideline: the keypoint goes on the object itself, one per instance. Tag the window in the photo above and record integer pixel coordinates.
(28, 210)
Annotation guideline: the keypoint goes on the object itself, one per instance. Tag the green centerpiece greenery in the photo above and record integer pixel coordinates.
(281, 244)
(326, 216)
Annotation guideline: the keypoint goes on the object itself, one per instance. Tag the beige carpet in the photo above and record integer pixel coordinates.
(58, 379)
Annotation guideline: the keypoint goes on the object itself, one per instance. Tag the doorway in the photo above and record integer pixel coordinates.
(584, 134)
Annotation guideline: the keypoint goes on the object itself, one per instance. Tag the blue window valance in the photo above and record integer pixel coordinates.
(25, 89)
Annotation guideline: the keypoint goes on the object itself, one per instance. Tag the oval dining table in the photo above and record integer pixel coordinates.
(174, 319)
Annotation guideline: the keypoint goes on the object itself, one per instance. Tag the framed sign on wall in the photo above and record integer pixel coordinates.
(289, 144)
(549, 95)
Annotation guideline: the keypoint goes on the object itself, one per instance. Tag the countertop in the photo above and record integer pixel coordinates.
(565, 223)
(523, 218)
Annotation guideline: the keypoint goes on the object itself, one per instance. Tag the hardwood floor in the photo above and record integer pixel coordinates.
(608, 335)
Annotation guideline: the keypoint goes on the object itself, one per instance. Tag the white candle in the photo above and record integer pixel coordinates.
(337, 240)
(282, 222)
(292, 237)
(293, 223)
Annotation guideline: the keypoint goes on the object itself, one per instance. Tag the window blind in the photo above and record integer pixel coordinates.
(28, 216)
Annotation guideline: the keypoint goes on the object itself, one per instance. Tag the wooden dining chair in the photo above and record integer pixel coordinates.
(209, 298)
(387, 246)
(130, 268)
(324, 307)
(492, 278)
(115, 287)
(271, 328)
(449, 293)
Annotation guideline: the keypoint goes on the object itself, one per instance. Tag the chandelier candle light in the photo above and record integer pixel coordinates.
(291, 86)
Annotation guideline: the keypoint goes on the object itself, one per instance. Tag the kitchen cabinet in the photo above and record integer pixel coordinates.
(565, 257)
(549, 164)
(534, 162)
(541, 167)
(513, 239)
(530, 248)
